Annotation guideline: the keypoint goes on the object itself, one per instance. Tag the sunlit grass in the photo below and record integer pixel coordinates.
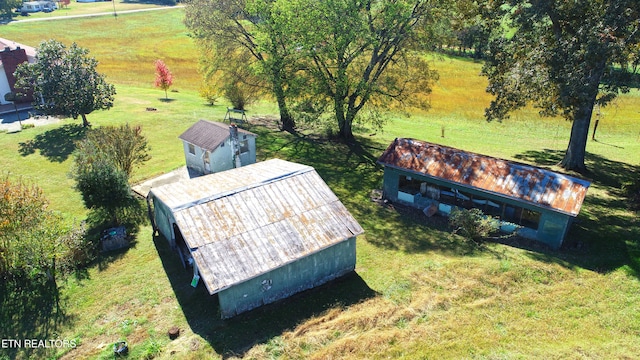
(125, 47)
(79, 8)
(421, 292)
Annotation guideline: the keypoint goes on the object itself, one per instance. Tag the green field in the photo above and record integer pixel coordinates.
(80, 8)
(418, 291)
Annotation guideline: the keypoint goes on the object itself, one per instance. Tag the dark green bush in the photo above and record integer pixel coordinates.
(472, 224)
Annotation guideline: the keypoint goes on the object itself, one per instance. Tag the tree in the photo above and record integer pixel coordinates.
(34, 242)
(561, 56)
(360, 53)
(124, 146)
(104, 186)
(103, 163)
(239, 34)
(65, 81)
(7, 6)
(164, 78)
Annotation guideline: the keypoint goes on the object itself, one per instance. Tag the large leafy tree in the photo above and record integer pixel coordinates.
(65, 81)
(104, 187)
(563, 57)
(124, 146)
(238, 34)
(357, 54)
(103, 163)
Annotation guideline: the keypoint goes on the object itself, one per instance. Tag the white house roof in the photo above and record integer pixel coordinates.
(245, 222)
(209, 135)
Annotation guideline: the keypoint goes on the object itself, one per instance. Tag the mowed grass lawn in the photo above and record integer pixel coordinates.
(418, 291)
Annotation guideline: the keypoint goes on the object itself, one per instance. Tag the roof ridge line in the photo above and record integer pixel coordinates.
(223, 194)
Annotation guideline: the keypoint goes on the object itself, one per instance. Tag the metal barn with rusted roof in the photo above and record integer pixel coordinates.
(536, 203)
(258, 233)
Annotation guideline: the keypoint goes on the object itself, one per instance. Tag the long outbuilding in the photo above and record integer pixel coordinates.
(535, 203)
(258, 233)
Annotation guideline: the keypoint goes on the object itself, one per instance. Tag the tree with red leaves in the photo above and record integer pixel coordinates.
(164, 78)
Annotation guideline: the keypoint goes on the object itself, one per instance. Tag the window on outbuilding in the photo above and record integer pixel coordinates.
(244, 146)
(409, 185)
(192, 149)
(454, 197)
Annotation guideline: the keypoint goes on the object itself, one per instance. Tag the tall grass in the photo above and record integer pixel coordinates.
(125, 47)
(418, 291)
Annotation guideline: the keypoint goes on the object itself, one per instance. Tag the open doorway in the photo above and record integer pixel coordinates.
(182, 248)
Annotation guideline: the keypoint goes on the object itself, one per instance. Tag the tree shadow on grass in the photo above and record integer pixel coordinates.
(602, 172)
(57, 144)
(606, 234)
(98, 222)
(31, 311)
(235, 336)
(352, 172)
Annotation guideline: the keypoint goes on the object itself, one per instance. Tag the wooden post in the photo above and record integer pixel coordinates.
(595, 126)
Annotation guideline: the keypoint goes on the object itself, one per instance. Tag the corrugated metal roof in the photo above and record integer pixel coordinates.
(244, 222)
(517, 181)
(209, 135)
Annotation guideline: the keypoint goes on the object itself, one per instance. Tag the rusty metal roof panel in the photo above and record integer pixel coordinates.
(275, 213)
(537, 186)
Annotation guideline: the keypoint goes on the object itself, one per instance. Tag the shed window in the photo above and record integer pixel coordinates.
(192, 149)
(244, 146)
(409, 185)
(521, 216)
(530, 218)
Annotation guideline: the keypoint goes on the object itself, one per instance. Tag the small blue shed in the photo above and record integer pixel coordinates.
(258, 233)
(537, 203)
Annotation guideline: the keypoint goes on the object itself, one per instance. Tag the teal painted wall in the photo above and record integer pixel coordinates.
(164, 219)
(306, 273)
(552, 228)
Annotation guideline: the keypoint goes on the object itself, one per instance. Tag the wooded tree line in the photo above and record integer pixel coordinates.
(351, 61)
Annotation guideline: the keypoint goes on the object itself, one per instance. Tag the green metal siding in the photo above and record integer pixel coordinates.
(552, 227)
(390, 184)
(164, 219)
(306, 273)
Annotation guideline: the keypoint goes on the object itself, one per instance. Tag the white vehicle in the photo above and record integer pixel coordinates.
(31, 7)
(36, 6)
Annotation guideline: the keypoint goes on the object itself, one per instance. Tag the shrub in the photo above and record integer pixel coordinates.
(239, 97)
(209, 93)
(472, 224)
